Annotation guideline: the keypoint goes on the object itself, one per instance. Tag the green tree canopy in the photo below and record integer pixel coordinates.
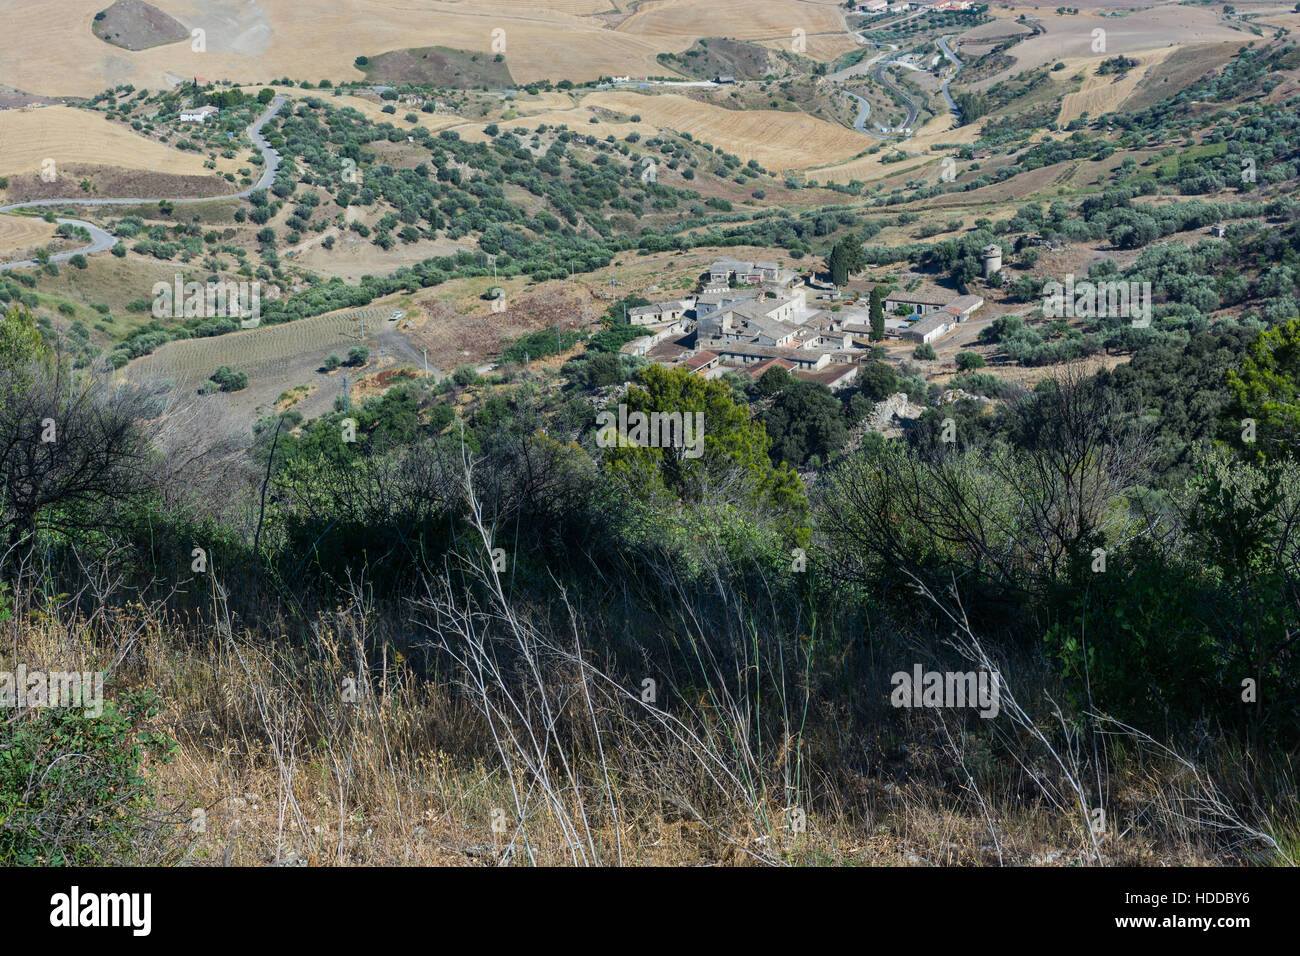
(733, 460)
(1267, 389)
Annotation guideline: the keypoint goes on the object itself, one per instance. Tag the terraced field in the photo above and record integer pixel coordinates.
(279, 357)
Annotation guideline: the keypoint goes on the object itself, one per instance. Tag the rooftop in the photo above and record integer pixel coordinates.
(700, 360)
(918, 298)
(964, 302)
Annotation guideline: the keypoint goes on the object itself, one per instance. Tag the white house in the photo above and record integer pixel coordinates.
(198, 114)
(931, 327)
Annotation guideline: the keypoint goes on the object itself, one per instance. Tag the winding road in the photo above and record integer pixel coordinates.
(899, 94)
(864, 111)
(101, 239)
(943, 87)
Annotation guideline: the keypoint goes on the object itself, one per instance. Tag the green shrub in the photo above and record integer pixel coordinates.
(228, 380)
(71, 786)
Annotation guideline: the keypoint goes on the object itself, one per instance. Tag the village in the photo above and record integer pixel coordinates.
(877, 7)
(749, 316)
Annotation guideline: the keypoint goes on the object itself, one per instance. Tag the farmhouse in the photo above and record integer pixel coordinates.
(922, 302)
(931, 327)
(756, 370)
(834, 376)
(733, 325)
(964, 306)
(657, 313)
(875, 6)
(649, 342)
(707, 302)
(746, 354)
(724, 78)
(704, 363)
(760, 321)
(198, 114)
(725, 271)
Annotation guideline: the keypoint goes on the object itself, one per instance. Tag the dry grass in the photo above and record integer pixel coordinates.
(938, 130)
(672, 20)
(310, 40)
(778, 140)
(21, 235)
(277, 764)
(1156, 28)
(1104, 94)
(67, 136)
(459, 731)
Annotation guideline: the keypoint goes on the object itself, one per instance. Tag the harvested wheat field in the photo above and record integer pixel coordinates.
(1104, 94)
(315, 40)
(1157, 28)
(673, 20)
(19, 236)
(66, 135)
(778, 140)
(573, 39)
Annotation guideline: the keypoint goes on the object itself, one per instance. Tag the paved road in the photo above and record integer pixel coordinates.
(912, 111)
(864, 111)
(102, 240)
(943, 87)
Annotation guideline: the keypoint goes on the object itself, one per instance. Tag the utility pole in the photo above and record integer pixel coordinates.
(347, 397)
(426, 362)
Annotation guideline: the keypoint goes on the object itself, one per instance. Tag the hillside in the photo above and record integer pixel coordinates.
(649, 433)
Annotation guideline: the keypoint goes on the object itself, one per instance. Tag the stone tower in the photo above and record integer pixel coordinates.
(992, 259)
